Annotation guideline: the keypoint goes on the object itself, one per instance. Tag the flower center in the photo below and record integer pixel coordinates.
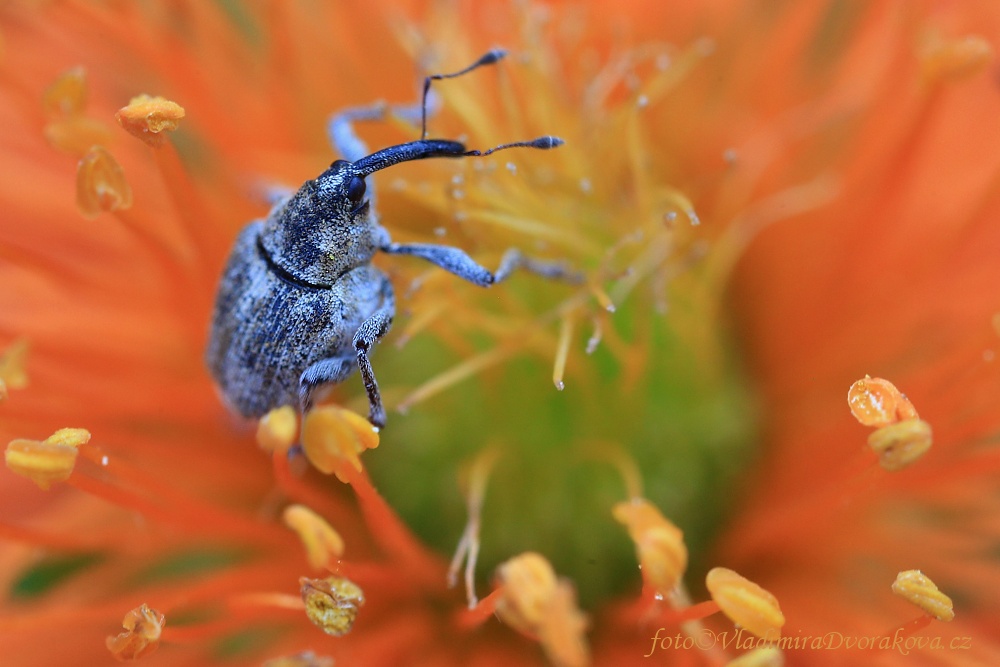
(682, 414)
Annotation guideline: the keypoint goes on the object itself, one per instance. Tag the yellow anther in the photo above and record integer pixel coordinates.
(659, 544)
(143, 626)
(69, 437)
(49, 461)
(529, 585)
(902, 444)
(304, 659)
(12, 371)
(101, 184)
(333, 437)
(277, 429)
(877, 402)
(745, 603)
(536, 603)
(77, 135)
(563, 632)
(767, 656)
(955, 59)
(323, 544)
(67, 95)
(917, 588)
(150, 118)
(332, 604)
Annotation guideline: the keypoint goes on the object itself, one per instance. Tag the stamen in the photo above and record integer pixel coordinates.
(67, 95)
(745, 603)
(766, 656)
(914, 586)
(595, 337)
(77, 134)
(602, 298)
(333, 437)
(562, 351)
(468, 546)
(659, 544)
(68, 129)
(901, 438)
(101, 184)
(49, 461)
(535, 603)
(150, 118)
(623, 463)
(143, 626)
(277, 429)
(877, 402)
(563, 635)
(529, 584)
(323, 543)
(954, 59)
(902, 444)
(304, 659)
(12, 365)
(332, 604)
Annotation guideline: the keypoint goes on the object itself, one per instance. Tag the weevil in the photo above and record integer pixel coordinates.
(300, 304)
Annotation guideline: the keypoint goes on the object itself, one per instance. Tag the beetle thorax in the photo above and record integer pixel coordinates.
(315, 240)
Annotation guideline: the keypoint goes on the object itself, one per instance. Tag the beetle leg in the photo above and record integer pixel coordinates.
(369, 333)
(325, 371)
(458, 262)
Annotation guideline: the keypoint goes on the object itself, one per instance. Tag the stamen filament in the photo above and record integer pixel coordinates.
(472, 617)
(562, 351)
(391, 534)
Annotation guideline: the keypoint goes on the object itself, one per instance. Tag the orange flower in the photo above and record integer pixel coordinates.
(766, 203)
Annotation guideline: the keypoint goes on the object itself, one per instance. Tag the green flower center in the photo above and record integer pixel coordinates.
(679, 409)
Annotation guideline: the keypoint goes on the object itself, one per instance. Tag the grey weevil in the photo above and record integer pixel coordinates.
(300, 305)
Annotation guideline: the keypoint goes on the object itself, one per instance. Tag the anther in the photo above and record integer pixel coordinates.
(143, 626)
(901, 444)
(659, 544)
(322, 542)
(765, 656)
(916, 587)
(48, 461)
(304, 659)
(877, 402)
(745, 603)
(333, 437)
(12, 365)
(101, 184)
(277, 429)
(67, 95)
(535, 602)
(332, 604)
(150, 118)
(955, 59)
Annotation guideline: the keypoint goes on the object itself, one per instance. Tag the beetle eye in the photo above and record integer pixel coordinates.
(356, 190)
